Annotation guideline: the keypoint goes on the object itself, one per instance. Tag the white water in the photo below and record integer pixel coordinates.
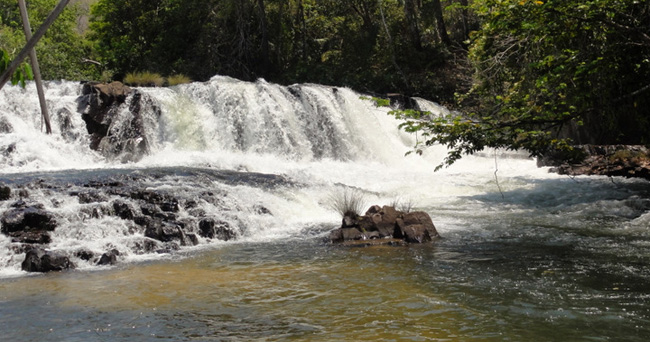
(319, 138)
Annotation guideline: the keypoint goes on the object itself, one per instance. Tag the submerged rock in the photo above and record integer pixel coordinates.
(386, 223)
(109, 258)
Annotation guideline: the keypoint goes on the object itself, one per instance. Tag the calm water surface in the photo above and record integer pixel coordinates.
(464, 288)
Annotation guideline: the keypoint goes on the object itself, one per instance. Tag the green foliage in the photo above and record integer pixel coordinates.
(21, 75)
(61, 51)
(544, 65)
(378, 101)
(364, 44)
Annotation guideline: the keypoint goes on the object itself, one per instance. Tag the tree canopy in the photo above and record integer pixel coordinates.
(549, 74)
(63, 48)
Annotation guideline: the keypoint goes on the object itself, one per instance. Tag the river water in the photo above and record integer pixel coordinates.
(525, 256)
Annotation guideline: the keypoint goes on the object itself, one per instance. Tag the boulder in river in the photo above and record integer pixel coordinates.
(109, 258)
(386, 223)
(39, 260)
(116, 118)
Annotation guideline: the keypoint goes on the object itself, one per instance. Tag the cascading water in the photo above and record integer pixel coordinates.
(534, 256)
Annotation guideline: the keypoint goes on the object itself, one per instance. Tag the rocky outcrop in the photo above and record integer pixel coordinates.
(387, 224)
(631, 161)
(28, 223)
(153, 218)
(116, 119)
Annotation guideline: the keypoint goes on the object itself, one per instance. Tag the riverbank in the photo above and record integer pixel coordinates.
(629, 161)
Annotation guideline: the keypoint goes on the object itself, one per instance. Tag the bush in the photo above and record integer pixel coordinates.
(346, 201)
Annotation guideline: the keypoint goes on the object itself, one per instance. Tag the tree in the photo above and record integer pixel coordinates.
(543, 65)
(62, 49)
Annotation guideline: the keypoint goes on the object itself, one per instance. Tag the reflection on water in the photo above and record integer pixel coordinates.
(457, 290)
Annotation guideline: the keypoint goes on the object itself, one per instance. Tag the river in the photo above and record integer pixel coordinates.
(525, 255)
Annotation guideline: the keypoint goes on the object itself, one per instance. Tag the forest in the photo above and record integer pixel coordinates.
(520, 72)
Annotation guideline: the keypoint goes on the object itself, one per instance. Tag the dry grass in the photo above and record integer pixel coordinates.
(144, 79)
(177, 79)
(346, 201)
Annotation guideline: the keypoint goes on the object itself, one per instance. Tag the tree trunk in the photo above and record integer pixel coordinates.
(35, 68)
(440, 22)
(265, 36)
(303, 30)
(391, 46)
(410, 11)
(465, 18)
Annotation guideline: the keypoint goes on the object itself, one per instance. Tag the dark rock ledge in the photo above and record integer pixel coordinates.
(154, 214)
(385, 225)
(630, 161)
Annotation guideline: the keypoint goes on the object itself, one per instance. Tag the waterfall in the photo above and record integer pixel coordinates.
(225, 159)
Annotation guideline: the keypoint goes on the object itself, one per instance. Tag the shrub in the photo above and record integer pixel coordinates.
(346, 201)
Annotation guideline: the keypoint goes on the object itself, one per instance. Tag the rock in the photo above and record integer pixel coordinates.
(37, 237)
(38, 260)
(109, 258)
(5, 192)
(416, 233)
(375, 209)
(162, 231)
(84, 254)
(115, 117)
(349, 220)
(211, 228)
(386, 223)
(149, 209)
(25, 217)
(123, 210)
(170, 206)
(421, 218)
(167, 232)
(90, 197)
(630, 161)
(262, 210)
(347, 234)
(146, 245)
(97, 102)
(53, 262)
(194, 240)
(32, 262)
(5, 125)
